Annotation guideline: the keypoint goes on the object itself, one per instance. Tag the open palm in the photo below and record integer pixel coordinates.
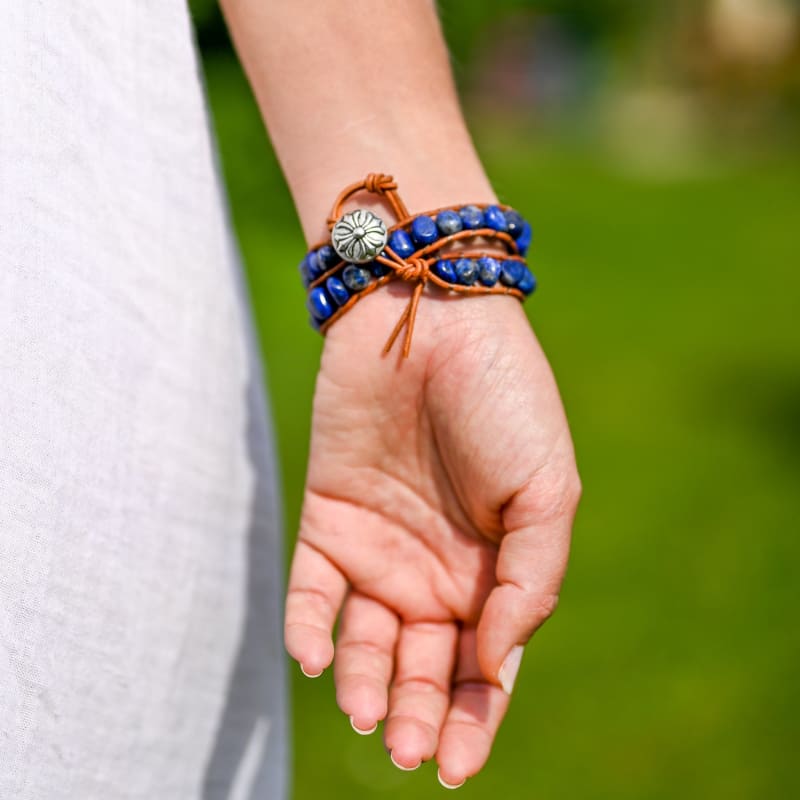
(439, 502)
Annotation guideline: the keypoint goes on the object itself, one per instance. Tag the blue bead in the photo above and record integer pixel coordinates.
(488, 270)
(327, 257)
(448, 223)
(336, 289)
(314, 323)
(401, 243)
(471, 217)
(494, 218)
(356, 278)
(319, 304)
(310, 269)
(514, 222)
(527, 283)
(378, 269)
(424, 230)
(524, 238)
(444, 269)
(467, 271)
(510, 272)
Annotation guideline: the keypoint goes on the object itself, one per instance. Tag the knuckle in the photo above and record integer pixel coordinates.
(535, 610)
(544, 605)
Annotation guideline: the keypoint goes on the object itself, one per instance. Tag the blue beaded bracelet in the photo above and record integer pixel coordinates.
(363, 254)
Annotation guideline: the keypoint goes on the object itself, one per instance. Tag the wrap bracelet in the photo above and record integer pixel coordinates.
(362, 254)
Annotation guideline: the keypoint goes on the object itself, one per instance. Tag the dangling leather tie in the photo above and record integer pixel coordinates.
(413, 270)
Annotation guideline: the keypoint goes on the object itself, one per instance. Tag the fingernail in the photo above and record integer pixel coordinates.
(508, 672)
(310, 675)
(449, 785)
(360, 731)
(400, 766)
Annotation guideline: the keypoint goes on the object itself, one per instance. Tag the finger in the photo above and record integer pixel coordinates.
(364, 660)
(475, 714)
(530, 567)
(420, 694)
(315, 594)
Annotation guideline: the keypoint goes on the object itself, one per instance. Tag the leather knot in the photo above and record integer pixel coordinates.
(413, 269)
(378, 183)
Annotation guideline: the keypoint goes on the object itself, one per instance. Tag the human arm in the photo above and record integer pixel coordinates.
(441, 488)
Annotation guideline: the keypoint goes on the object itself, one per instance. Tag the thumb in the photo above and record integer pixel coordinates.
(530, 567)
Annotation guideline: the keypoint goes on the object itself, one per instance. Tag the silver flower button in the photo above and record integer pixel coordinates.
(359, 236)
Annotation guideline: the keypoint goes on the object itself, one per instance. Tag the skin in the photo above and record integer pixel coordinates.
(441, 488)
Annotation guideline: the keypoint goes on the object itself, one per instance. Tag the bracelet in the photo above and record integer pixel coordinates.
(362, 254)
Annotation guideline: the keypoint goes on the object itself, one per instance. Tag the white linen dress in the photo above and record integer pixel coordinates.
(140, 561)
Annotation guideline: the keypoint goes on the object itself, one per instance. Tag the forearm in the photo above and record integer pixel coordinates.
(351, 88)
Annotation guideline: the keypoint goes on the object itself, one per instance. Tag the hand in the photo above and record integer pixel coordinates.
(439, 502)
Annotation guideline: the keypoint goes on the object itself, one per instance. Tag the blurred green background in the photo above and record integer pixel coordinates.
(655, 147)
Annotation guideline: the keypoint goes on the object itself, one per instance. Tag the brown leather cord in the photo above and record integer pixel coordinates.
(417, 268)
(375, 183)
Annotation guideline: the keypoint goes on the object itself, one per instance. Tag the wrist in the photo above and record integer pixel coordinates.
(443, 320)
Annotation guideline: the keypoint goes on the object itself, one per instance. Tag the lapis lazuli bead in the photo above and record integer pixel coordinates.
(378, 269)
(444, 269)
(310, 268)
(314, 323)
(337, 290)
(514, 222)
(401, 243)
(424, 230)
(448, 223)
(327, 257)
(510, 272)
(471, 217)
(319, 304)
(488, 270)
(356, 278)
(494, 218)
(304, 274)
(524, 238)
(527, 283)
(467, 271)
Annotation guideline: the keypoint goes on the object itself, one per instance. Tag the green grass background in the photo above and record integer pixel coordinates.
(669, 309)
